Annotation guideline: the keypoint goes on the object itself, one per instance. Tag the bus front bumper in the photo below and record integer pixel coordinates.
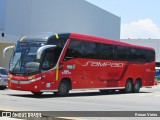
(25, 85)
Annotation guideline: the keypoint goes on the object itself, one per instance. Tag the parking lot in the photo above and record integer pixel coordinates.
(49, 105)
(146, 100)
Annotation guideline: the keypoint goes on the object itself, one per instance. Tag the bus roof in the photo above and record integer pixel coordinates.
(46, 35)
(105, 40)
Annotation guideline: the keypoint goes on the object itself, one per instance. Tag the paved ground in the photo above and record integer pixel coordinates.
(147, 100)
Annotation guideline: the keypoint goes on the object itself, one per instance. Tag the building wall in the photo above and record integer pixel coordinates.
(2, 14)
(4, 62)
(154, 43)
(33, 16)
(23, 17)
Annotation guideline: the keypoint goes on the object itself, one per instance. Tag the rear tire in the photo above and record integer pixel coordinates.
(136, 86)
(63, 89)
(129, 86)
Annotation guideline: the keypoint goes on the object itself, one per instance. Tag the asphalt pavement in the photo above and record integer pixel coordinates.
(147, 100)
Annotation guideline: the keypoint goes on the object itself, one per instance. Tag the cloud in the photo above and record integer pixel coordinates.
(144, 28)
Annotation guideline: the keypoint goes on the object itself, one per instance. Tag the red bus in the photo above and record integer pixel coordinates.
(62, 62)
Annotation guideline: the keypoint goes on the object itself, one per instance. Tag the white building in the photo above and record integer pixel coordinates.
(22, 17)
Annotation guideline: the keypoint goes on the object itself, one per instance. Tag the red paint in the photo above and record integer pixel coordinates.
(94, 74)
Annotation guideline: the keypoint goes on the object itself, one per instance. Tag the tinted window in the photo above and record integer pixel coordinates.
(49, 60)
(59, 44)
(107, 52)
(90, 50)
(51, 57)
(140, 55)
(74, 50)
(82, 49)
(120, 53)
(150, 55)
(131, 54)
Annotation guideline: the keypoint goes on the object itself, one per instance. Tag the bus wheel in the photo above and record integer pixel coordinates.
(63, 89)
(37, 93)
(136, 86)
(128, 86)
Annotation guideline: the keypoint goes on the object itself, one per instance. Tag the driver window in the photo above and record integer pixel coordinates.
(48, 61)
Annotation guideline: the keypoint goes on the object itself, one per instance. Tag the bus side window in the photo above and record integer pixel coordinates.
(90, 50)
(141, 55)
(120, 53)
(106, 52)
(131, 54)
(150, 56)
(74, 50)
(49, 60)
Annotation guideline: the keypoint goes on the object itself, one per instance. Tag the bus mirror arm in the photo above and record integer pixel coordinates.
(41, 49)
(6, 49)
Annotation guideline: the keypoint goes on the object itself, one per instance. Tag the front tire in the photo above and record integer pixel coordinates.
(129, 86)
(63, 89)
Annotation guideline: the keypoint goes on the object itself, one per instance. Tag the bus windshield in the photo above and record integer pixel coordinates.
(23, 60)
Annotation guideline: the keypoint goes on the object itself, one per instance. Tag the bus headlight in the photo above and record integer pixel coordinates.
(35, 79)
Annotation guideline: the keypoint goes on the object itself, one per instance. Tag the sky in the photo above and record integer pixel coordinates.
(139, 18)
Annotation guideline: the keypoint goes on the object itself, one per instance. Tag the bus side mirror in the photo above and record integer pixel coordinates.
(41, 49)
(6, 49)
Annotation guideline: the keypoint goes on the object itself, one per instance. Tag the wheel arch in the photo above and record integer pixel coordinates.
(66, 79)
(130, 78)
